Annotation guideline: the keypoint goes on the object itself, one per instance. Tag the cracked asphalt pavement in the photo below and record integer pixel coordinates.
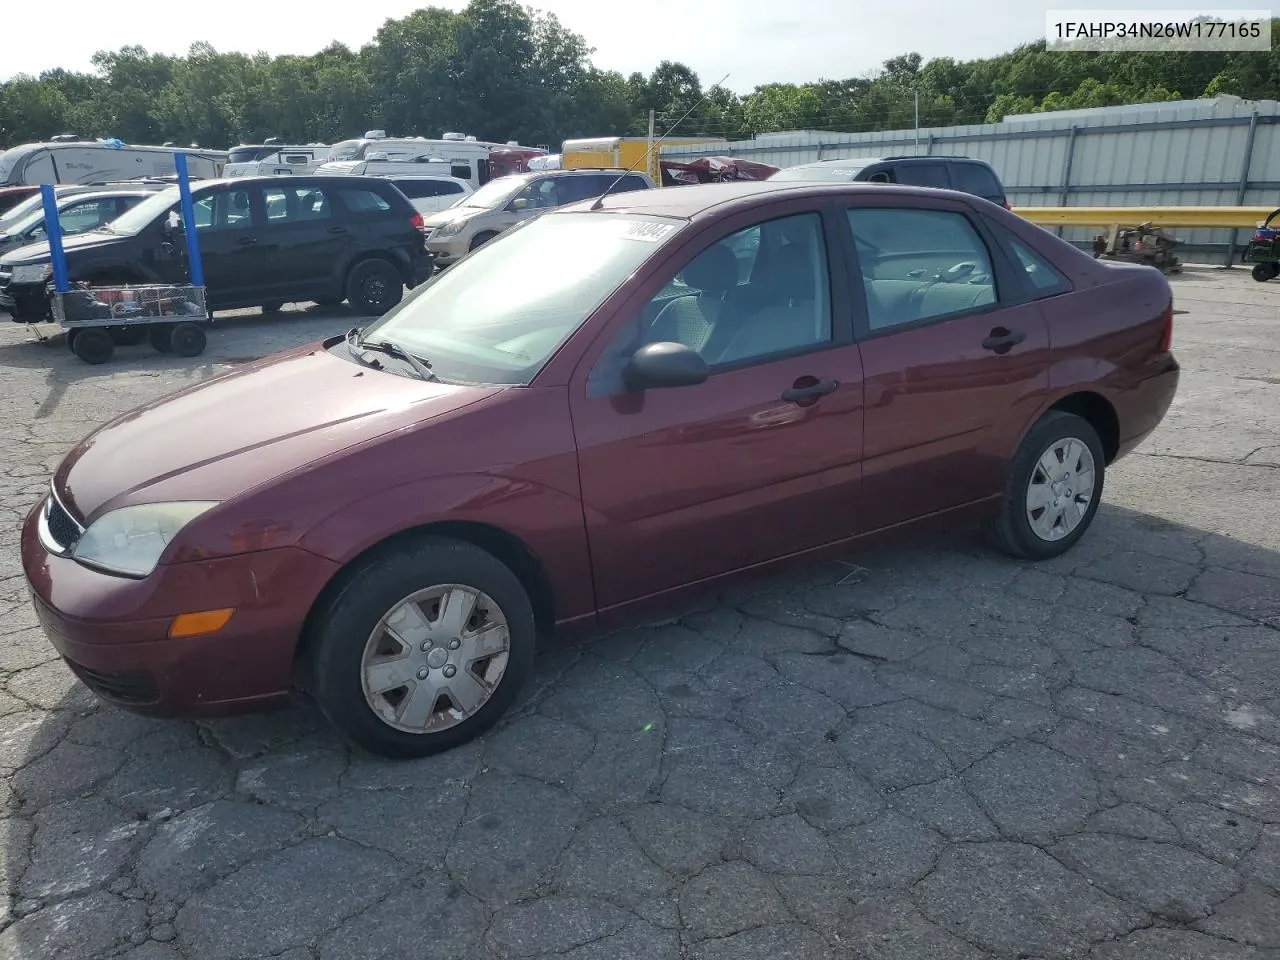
(923, 752)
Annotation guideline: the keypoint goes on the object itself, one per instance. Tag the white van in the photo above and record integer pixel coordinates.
(98, 161)
(272, 159)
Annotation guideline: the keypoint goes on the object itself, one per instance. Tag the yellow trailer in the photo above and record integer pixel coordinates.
(623, 152)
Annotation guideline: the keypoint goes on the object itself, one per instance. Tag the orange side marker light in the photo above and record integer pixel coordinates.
(201, 622)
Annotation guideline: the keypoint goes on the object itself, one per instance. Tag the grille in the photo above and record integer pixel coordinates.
(64, 530)
(126, 687)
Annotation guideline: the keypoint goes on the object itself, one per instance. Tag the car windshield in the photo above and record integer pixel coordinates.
(495, 193)
(136, 220)
(20, 212)
(498, 315)
(820, 171)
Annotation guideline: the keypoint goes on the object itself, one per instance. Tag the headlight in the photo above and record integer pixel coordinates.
(449, 229)
(32, 272)
(130, 540)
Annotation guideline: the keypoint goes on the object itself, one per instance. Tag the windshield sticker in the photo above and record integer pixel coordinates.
(648, 232)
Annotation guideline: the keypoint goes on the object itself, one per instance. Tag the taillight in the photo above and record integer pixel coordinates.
(1166, 332)
(417, 221)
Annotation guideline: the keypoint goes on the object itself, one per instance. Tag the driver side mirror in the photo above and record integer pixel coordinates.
(519, 204)
(172, 225)
(666, 364)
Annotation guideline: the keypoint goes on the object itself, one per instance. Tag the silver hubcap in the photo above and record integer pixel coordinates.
(1061, 489)
(435, 658)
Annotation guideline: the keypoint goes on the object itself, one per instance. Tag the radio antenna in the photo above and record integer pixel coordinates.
(652, 148)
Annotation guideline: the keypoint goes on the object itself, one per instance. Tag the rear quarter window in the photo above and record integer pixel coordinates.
(631, 183)
(363, 201)
(978, 180)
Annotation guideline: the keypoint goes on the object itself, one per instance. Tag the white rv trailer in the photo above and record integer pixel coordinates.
(98, 161)
(272, 158)
(465, 157)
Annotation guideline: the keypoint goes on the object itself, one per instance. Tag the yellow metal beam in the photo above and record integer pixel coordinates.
(1157, 216)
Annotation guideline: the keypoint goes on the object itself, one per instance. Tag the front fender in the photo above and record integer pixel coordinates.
(548, 522)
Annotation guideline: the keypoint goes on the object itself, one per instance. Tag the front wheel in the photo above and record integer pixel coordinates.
(423, 648)
(480, 240)
(1263, 272)
(1054, 486)
(374, 287)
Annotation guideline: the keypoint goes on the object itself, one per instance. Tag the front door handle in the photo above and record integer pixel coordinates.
(1002, 340)
(808, 388)
(246, 241)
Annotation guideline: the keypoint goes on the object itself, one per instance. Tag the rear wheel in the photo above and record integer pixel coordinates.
(93, 345)
(1263, 272)
(423, 648)
(187, 340)
(1054, 486)
(158, 334)
(374, 287)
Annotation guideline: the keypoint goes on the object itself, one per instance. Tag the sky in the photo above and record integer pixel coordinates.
(753, 41)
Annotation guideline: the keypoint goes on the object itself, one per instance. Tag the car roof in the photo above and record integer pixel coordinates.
(309, 180)
(693, 201)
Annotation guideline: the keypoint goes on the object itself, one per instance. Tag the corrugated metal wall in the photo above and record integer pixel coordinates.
(1212, 152)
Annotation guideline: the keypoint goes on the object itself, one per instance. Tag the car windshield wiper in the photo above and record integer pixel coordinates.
(355, 339)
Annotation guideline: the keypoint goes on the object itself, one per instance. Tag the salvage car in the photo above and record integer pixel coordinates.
(599, 412)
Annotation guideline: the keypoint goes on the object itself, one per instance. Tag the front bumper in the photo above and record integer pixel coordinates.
(26, 301)
(449, 250)
(113, 631)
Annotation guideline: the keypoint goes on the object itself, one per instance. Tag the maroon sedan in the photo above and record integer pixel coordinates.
(601, 409)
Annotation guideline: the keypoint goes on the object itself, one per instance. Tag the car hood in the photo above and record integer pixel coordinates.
(233, 432)
(39, 252)
(452, 215)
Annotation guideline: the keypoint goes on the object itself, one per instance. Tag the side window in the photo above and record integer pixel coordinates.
(295, 204)
(363, 201)
(460, 170)
(785, 308)
(222, 210)
(922, 175)
(540, 194)
(976, 179)
(1043, 276)
(919, 264)
(449, 187)
(582, 186)
(88, 215)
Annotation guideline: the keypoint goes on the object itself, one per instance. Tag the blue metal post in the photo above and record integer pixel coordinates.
(53, 230)
(189, 221)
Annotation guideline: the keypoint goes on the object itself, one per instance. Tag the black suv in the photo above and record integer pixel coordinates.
(264, 241)
(947, 173)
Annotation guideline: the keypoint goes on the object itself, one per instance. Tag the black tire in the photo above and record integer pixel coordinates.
(345, 623)
(93, 345)
(374, 287)
(1262, 272)
(187, 339)
(71, 340)
(128, 336)
(159, 335)
(1011, 529)
(480, 239)
(273, 306)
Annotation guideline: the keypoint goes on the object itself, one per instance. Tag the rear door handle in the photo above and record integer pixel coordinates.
(247, 241)
(339, 230)
(810, 391)
(1002, 340)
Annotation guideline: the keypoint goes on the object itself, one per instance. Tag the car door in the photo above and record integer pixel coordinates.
(759, 461)
(301, 238)
(951, 351)
(234, 272)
